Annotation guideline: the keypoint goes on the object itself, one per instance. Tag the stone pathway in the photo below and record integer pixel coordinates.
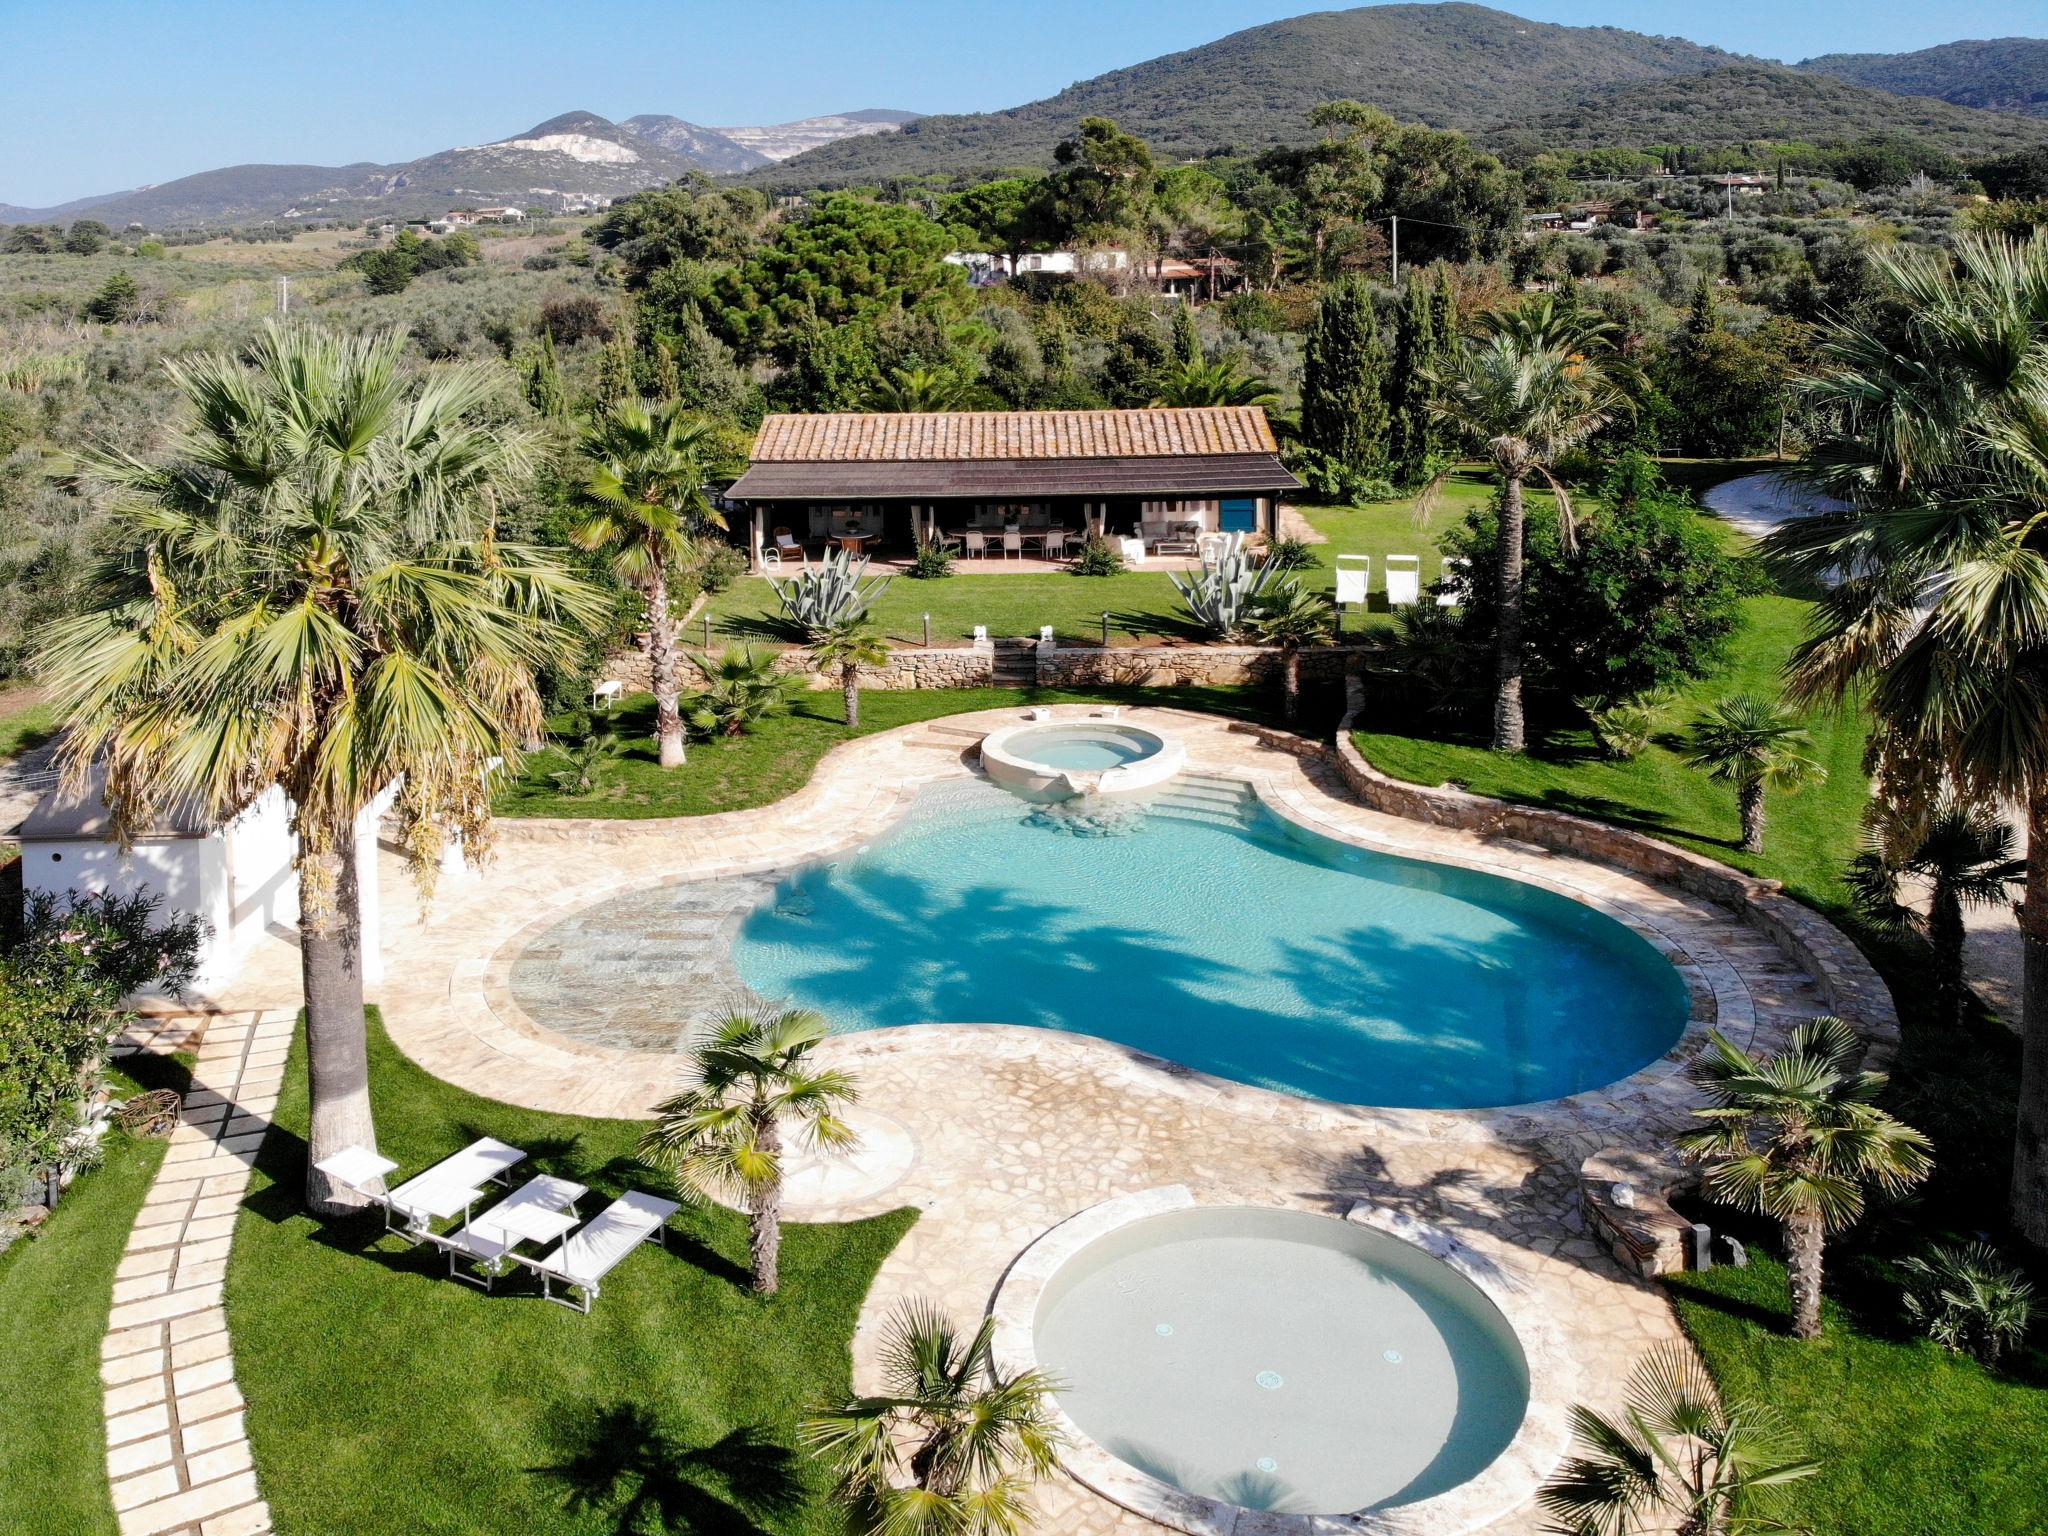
(177, 1454)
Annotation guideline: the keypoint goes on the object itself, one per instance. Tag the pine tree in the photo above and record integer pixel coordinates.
(1187, 341)
(545, 391)
(1343, 389)
(1411, 433)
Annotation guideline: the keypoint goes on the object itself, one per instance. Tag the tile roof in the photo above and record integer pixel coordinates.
(958, 436)
(1221, 474)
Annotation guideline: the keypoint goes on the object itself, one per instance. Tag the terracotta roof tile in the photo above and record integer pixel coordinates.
(958, 436)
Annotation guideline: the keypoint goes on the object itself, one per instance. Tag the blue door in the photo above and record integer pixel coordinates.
(1240, 516)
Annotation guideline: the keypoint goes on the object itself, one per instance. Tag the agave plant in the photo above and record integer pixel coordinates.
(1969, 1298)
(1221, 596)
(823, 596)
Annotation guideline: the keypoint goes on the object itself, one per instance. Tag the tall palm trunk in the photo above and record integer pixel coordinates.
(337, 1052)
(1804, 1238)
(1750, 798)
(849, 685)
(1290, 684)
(661, 659)
(1945, 938)
(1508, 727)
(2030, 1143)
(764, 1204)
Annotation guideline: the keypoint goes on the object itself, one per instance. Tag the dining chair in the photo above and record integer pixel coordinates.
(977, 544)
(1013, 544)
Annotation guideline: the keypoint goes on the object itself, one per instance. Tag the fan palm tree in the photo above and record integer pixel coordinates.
(1750, 742)
(644, 498)
(1675, 1459)
(1963, 853)
(742, 689)
(1223, 382)
(1934, 579)
(952, 1445)
(307, 593)
(1291, 618)
(1540, 382)
(849, 645)
(723, 1137)
(919, 389)
(1796, 1137)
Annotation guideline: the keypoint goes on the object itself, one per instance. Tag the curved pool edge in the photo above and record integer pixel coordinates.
(1029, 776)
(1507, 1483)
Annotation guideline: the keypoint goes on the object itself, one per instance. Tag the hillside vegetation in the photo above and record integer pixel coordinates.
(2003, 74)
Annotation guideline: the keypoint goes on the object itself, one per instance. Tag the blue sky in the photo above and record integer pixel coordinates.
(107, 94)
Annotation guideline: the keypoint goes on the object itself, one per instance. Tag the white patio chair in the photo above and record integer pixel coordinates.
(1133, 550)
(1457, 575)
(486, 1240)
(1013, 544)
(451, 1185)
(1056, 544)
(584, 1258)
(1404, 580)
(976, 544)
(1354, 579)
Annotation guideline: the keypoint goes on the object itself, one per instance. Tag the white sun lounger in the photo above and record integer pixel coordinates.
(454, 1184)
(1404, 580)
(1354, 579)
(586, 1257)
(488, 1238)
(1451, 585)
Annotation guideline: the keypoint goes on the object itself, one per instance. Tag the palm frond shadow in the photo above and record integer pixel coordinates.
(621, 1464)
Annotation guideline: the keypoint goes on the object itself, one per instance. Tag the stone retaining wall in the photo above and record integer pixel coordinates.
(962, 666)
(1852, 988)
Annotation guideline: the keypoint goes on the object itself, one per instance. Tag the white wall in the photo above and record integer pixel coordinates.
(190, 874)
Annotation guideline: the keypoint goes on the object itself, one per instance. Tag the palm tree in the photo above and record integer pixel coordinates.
(311, 597)
(1291, 618)
(1962, 852)
(849, 645)
(724, 1137)
(742, 688)
(1938, 570)
(1796, 1137)
(919, 389)
(644, 494)
(1224, 382)
(1676, 1459)
(1542, 381)
(1748, 741)
(952, 1445)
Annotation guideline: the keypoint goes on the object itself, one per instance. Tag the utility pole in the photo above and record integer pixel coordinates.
(284, 295)
(1394, 277)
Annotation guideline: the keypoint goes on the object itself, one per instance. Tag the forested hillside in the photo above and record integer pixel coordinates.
(2003, 74)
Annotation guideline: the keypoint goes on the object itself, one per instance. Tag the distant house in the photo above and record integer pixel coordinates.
(883, 483)
(1741, 183)
(501, 215)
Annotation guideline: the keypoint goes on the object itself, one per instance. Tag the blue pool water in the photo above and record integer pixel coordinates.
(1082, 746)
(1264, 954)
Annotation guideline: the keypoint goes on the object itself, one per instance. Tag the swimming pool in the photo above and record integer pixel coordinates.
(1258, 952)
(1281, 1360)
(1084, 745)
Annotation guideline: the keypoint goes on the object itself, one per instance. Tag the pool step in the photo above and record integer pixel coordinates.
(1203, 798)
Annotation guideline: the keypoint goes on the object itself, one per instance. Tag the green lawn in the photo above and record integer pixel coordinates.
(734, 773)
(1139, 603)
(54, 1292)
(24, 728)
(382, 1394)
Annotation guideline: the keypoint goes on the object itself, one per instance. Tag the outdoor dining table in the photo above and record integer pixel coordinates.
(853, 543)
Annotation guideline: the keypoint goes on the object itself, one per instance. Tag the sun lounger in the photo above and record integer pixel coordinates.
(540, 1210)
(584, 1259)
(1354, 579)
(1404, 580)
(454, 1184)
(1450, 587)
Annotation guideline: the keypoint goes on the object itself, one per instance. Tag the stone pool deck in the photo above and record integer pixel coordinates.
(998, 1133)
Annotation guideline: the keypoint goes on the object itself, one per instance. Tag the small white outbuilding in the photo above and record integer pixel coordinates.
(236, 878)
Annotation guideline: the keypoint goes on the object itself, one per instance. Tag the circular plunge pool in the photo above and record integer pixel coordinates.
(1098, 756)
(1281, 1360)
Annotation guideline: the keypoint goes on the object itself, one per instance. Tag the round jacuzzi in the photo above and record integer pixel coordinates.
(1070, 757)
(1275, 1360)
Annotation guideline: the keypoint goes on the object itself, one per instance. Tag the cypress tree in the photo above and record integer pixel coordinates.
(1344, 380)
(1187, 341)
(1409, 435)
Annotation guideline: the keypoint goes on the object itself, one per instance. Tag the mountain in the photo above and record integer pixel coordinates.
(567, 159)
(1745, 102)
(2002, 74)
(1460, 66)
(782, 140)
(1452, 66)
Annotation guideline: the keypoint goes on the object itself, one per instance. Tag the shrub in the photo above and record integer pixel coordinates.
(1968, 1298)
(1622, 728)
(1334, 483)
(1098, 557)
(1222, 597)
(572, 317)
(719, 566)
(744, 689)
(931, 561)
(1291, 554)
